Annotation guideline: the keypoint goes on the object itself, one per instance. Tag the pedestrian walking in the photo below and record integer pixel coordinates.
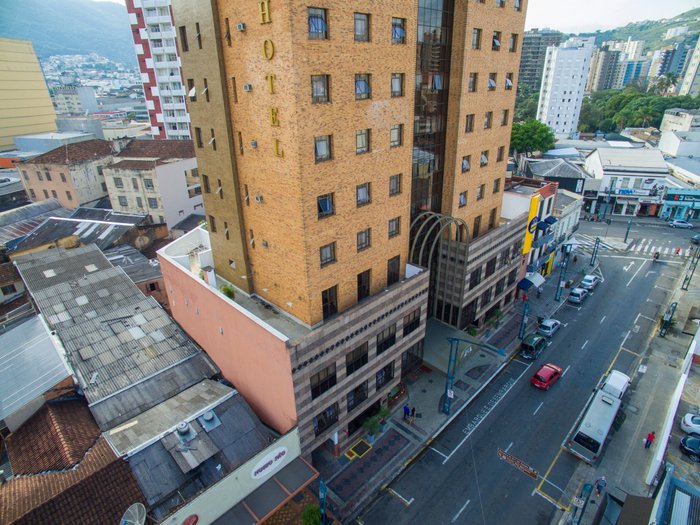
(651, 436)
(600, 485)
(678, 250)
(413, 415)
(406, 412)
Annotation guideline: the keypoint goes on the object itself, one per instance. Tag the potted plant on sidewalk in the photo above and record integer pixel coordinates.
(371, 426)
(383, 416)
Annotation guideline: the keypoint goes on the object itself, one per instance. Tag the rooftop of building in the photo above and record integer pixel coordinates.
(686, 169)
(559, 168)
(160, 151)
(686, 136)
(10, 185)
(74, 153)
(136, 265)
(120, 344)
(56, 135)
(527, 186)
(676, 111)
(30, 364)
(640, 158)
(565, 198)
(21, 221)
(189, 223)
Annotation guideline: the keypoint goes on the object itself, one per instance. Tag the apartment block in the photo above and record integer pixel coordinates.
(161, 72)
(679, 119)
(691, 79)
(535, 44)
(605, 64)
(75, 100)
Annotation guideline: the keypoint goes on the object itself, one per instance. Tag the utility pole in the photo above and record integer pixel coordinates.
(629, 225)
(523, 320)
(562, 272)
(607, 201)
(692, 264)
(595, 250)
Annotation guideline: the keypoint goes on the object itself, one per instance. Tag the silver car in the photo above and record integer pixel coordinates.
(589, 282)
(578, 295)
(548, 327)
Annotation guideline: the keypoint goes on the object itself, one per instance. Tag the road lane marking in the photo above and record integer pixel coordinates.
(508, 447)
(635, 273)
(603, 319)
(618, 352)
(584, 344)
(627, 268)
(406, 502)
(475, 426)
(556, 458)
(522, 363)
(538, 408)
(437, 451)
(461, 510)
(565, 371)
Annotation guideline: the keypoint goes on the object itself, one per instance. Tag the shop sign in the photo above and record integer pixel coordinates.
(269, 463)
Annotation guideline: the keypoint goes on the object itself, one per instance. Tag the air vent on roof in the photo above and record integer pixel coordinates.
(182, 428)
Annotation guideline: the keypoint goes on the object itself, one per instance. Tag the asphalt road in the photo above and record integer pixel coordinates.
(643, 232)
(460, 478)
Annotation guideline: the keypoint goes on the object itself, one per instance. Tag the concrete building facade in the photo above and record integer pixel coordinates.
(25, 104)
(535, 44)
(679, 119)
(75, 100)
(563, 83)
(605, 64)
(155, 39)
(691, 79)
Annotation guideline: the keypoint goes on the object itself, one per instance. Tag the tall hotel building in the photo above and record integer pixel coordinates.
(159, 62)
(353, 157)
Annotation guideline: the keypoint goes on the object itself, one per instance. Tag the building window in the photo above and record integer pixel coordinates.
(473, 82)
(363, 86)
(394, 227)
(63, 175)
(318, 26)
(484, 159)
(326, 419)
(122, 201)
(361, 27)
(477, 226)
(118, 183)
(226, 230)
(476, 38)
(500, 3)
(496, 41)
(492, 224)
(475, 278)
(362, 137)
(153, 203)
(48, 175)
(393, 268)
(512, 275)
(319, 89)
(463, 199)
(505, 117)
(488, 119)
(139, 203)
(54, 194)
(69, 196)
(509, 81)
(480, 191)
(212, 140)
(492, 81)
(198, 137)
(234, 90)
(26, 175)
(466, 163)
(191, 90)
(329, 300)
(386, 339)
(327, 254)
(513, 43)
(500, 153)
(363, 194)
(486, 297)
(397, 84)
(325, 205)
(385, 375)
(364, 239)
(411, 322)
(322, 148)
(394, 185)
(212, 224)
(491, 266)
(184, 45)
(398, 30)
(356, 359)
(39, 176)
(357, 395)
(323, 381)
(148, 184)
(103, 185)
(205, 91)
(497, 185)
(32, 193)
(8, 289)
(363, 284)
(205, 183)
(135, 184)
(396, 135)
(469, 127)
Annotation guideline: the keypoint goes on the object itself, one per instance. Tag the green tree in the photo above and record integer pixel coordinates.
(526, 102)
(311, 515)
(530, 136)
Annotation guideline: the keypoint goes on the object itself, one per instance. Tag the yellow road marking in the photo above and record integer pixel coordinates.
(556, 458)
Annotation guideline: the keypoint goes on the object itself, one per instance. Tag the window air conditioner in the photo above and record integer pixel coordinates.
(240, 26)
(247, 87)
(259, 198)
(253, 144)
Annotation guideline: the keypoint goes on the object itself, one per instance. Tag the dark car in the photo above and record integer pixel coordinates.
(690, 446)
(695, 239)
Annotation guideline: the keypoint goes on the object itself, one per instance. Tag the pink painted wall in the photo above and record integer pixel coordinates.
(253, 359)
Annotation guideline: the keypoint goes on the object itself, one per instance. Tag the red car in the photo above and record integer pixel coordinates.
(546, 376)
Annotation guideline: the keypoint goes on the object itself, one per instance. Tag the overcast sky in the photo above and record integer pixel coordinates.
(574, 16)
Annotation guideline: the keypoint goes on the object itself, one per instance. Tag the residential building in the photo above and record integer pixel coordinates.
(159, 62)
(691, 79)
(675, 32)
(630, 71)
(604, 69)
(44, 142)
(12, 193)
(660, 62)
(145, 273)
(318, 265)
(26, 104)
(158, 178)
(567, 211)
(680, 143)
(681, 203)
(679, 119)
(71, 174)
(75, 100)
(535, 44)
(563, 82)
(632, 180)
(11, 286)
(631, 48)
(568, 175)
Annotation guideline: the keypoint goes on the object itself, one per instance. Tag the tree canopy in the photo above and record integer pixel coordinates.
(531, 135)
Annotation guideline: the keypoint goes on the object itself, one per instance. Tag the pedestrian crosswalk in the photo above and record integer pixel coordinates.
(637, 246)
(588, 241)
(651, 246)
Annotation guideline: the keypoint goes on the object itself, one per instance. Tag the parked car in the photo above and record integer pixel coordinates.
(532, 346)
(548, 327)
(691, 423)
(695, 239)
(589, 282)
(546, 376)
(690, 445)
(677, 223)
(578, 295)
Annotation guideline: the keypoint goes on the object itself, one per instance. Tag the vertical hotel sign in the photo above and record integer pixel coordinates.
(532, 220)
(268, 52)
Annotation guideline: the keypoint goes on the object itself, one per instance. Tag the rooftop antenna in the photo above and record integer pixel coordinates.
(134, 515)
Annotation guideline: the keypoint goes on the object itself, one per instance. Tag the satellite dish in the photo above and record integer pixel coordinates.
(134, 515)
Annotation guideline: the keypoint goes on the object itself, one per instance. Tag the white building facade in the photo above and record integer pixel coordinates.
(691, 78)
(563, 83)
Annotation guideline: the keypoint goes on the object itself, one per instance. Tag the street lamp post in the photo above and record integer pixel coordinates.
(629, 225)
(562, 272)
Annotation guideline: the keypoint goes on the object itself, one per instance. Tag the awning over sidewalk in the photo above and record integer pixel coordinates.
(271, 495)
(534, 279)
(550, 220)
(542, 225)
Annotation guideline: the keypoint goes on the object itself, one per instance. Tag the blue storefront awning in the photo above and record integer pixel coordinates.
(542, 226)
(550, 220)
(534, 279)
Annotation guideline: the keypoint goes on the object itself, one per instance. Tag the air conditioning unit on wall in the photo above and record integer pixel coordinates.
(248, 87)
(259, 198)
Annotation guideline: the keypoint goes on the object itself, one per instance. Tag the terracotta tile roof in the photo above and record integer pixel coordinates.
(129, 164)
(55, 438)
(96, 492)
(74, 153)
(8, 274)
(158, 149)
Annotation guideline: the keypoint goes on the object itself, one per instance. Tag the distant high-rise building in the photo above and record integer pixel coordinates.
(660, 62)
(75, 100)
(25, 104)
(605, 64)
(691, 78)
(630, 71)
(535, 44)
(675, 31)
(159, 62)
(563, 83)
